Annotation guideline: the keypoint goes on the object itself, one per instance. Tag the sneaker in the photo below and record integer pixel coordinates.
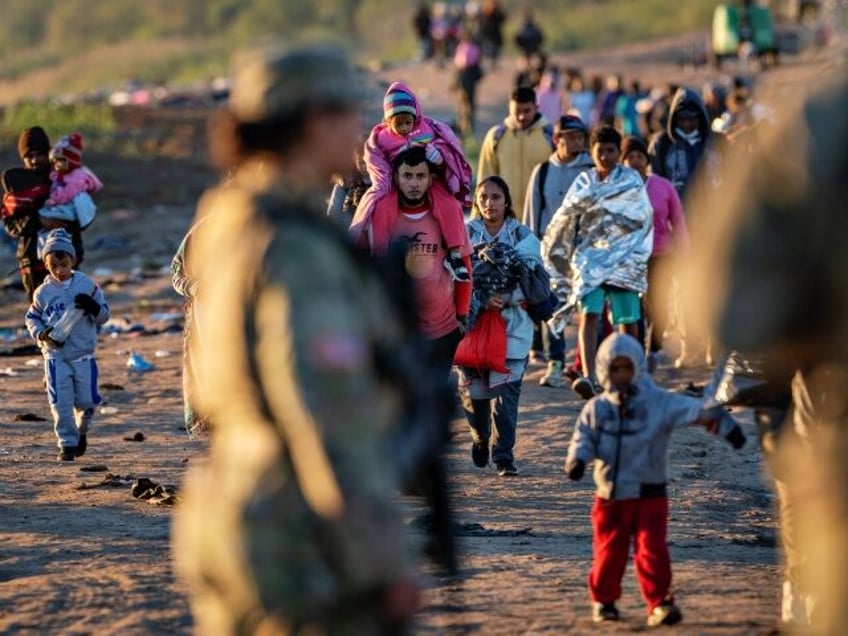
(553, 376)
(507, 469)
(603, 612)
(666, 613)
(67, 453)
(480, 454)
(457, 269)
(583, 387)
(81, 446)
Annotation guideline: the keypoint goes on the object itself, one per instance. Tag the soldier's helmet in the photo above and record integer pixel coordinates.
(274, 83)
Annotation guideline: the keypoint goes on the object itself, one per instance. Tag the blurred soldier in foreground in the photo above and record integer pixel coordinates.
(771, 280)
(290, 527)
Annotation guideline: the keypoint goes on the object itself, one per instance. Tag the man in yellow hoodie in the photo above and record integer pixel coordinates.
(514, 147)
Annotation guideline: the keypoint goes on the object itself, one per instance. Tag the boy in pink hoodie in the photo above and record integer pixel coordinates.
(404, 125)
(670, 236)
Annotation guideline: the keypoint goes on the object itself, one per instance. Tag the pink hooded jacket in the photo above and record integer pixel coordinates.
(383, 145)
(64, 187)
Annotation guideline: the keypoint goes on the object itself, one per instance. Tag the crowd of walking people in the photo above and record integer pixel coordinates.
(327, 335)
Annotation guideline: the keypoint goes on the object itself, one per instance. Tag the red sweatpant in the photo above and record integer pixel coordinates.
(613, 523)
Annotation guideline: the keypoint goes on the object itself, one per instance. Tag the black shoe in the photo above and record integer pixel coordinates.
(480, 454)
(458, 271)
(67, 453)
(507, 469)
(81, 446)
(603, 612)
(666, 613)
(583, 387)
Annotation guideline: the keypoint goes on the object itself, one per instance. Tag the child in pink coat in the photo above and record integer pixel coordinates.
(404, 125)
(71, 187)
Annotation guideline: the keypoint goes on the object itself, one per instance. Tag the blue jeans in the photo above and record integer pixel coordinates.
(545, 340)
(502, 408)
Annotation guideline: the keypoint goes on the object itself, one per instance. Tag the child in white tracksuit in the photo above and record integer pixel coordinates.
(626, 431)
(63, 318)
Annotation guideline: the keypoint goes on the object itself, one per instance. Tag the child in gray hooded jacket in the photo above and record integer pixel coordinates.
(63, 317)
(626, 431)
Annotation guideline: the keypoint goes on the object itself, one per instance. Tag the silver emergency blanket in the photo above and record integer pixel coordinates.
(602, 233)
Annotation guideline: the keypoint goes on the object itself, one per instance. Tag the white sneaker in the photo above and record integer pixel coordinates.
(553, 376)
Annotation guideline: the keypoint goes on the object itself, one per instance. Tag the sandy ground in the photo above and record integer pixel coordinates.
(81, 557)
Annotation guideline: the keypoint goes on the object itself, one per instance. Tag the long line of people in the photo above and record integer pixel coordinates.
(596, 210)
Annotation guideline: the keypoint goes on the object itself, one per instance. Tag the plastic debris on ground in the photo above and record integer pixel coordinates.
(120, 325)
(137, 363)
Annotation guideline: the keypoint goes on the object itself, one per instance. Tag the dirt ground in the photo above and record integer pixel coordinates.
(78, 556)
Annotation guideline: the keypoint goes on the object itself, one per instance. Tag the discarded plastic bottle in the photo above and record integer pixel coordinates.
(137, 363)
(63, 327)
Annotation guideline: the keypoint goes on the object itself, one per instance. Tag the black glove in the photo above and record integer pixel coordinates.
(463, 323)
(87, 304)
(44, 336)
(575, 468)
(736, 437)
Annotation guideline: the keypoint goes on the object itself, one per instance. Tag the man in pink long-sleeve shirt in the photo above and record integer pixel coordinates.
(670, 235)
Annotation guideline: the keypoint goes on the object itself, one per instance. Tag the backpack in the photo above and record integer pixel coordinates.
(500, 131)
(543, 176)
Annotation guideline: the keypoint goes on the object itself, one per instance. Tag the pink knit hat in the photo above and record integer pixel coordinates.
(70, 149)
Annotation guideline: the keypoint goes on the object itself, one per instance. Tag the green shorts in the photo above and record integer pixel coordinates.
(625, 304)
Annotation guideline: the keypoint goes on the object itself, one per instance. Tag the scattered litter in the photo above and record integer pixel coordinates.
(109, 480)
(140, 488)
(95, 468)
(167, 316)
(150, 491)
(13, 333)
(109, 386)
(8, 371)
(425, 523)
(120, 325)
(138, 436)
(21, 350)
(29, 417)
(478, 530)
(108, 410)
(34, 362)
(137, 363)
(161, 353)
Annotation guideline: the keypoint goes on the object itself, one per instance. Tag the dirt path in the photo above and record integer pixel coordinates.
(95, 560)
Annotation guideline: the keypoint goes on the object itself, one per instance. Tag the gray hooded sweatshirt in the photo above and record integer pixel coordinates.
(539, 209)
(51, 300)
(627, 433)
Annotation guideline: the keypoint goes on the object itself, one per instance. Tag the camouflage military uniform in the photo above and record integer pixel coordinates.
(290, 527)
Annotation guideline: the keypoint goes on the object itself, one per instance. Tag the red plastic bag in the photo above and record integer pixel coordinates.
(484, 347)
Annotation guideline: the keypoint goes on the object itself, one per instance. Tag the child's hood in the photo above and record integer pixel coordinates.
(620, 344)
(400, 91)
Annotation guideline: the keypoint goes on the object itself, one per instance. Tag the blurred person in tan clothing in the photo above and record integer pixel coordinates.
(769, 280)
